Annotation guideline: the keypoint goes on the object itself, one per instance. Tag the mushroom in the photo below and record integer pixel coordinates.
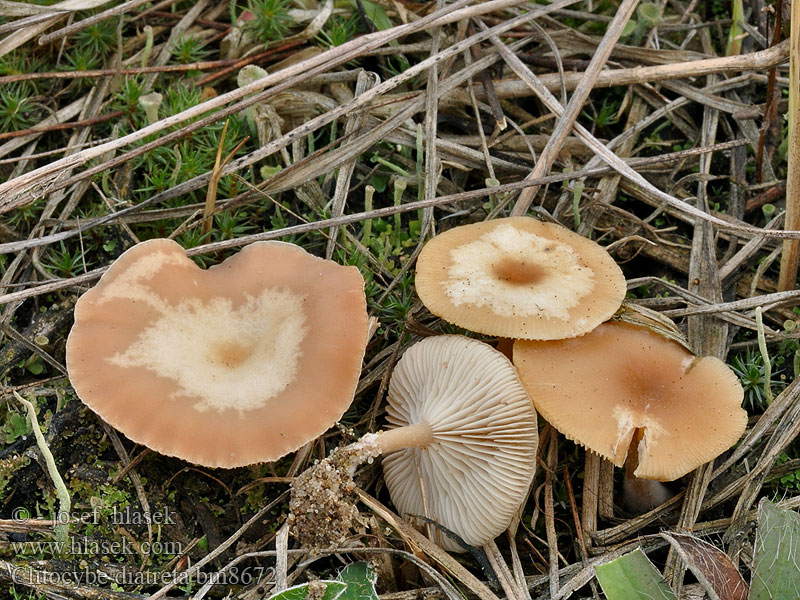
(461, 451)
(622, 384)
(241, 363)
(519, 278)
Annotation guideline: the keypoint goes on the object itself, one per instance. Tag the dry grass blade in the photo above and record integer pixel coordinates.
(23, 189)
(97, 18)
(421, 543)
(354, 123)
(626, 171)
(753, 62)
(791, 248)
(216, 174)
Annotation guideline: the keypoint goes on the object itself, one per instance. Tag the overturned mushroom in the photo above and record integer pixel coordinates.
(519, 278)
(463, 450)
(241, 363)
(461, 453)
(622, 383)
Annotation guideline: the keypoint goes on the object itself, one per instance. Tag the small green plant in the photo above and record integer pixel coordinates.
(188, 50)
(34, 364)
(231, 225)
(16, 425)
(648, 15)
(790, 480)
(98, 38)
(355, 582)
(127, 98)
(25, 215)
(26, 595)
(81, 59)
(66, 263)
(272, 20)
(17, 109)
(19, 63)
(339, 31)
(749, 368)
(192, 239)
(606, 115)
(180, 97)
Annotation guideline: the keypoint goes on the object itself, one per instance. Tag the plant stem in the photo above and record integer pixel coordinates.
(369, 192)
(64, 502)
(762, 346)
(734, 43)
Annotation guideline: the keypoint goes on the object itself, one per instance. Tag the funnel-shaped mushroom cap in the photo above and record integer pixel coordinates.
(237, 364)
(475, 474)
(600, 388)
(519, 278)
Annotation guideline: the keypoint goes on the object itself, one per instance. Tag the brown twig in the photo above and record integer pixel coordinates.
(62, 126)
(238, 64)
(196, 66)
(771, 194)
(204, 22)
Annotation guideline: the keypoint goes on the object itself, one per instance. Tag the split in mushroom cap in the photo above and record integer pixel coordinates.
(241, 363)
(599, 389)
(473, 431)
(519, 278)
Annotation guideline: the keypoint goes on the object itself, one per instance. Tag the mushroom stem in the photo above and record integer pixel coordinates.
(506, 346)
(641, 495)
(410, 436)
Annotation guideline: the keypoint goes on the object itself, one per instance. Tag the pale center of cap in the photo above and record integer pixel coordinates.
(516, 273)
(229, 358)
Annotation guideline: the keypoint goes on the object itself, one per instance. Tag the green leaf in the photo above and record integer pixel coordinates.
(16, 426)
(333, 590)
(775, 565)
(629, 29)
(34, 364)
(376, 14)
(379, 182)
(355, 582)
(734, 42)
(632, 577)
(360, 581)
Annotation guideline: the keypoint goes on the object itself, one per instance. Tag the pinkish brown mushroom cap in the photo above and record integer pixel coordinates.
(599, 389)
(241, 363)
(519, 278)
